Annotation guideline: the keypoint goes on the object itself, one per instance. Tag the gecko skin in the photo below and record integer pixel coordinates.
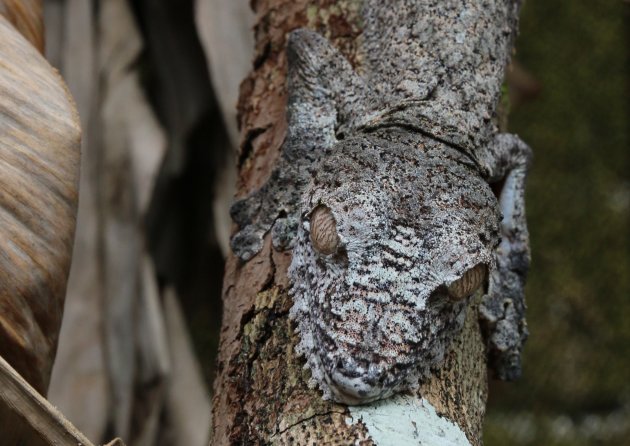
(383, 191)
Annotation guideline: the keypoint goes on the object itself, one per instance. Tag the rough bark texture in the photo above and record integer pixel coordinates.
(261, 393)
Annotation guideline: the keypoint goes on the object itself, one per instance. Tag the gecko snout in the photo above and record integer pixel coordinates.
(353, 384)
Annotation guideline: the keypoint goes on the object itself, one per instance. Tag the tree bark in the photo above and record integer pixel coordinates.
(261, 393)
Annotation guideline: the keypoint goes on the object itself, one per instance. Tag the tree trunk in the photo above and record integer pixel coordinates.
(261, 393)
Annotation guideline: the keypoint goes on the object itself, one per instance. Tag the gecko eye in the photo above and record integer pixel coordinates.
(468, 283)
(324, 230)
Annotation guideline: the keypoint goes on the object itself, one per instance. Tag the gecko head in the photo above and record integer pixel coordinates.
(392, 243)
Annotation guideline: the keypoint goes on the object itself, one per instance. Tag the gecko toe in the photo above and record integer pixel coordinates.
(248, 242)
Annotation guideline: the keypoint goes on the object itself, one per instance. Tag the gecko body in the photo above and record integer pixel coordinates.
(383, 191)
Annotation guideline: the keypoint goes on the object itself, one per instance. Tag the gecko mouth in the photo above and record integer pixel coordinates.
(353, 391)
(354, 385)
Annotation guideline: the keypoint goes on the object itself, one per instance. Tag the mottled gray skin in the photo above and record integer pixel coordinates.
(404, 157)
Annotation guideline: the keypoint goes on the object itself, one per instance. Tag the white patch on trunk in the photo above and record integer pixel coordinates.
(403, 420)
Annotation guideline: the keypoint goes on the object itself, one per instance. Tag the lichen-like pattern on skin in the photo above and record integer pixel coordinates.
(394, 170)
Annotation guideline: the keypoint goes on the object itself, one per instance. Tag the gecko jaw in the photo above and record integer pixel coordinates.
(356, 390)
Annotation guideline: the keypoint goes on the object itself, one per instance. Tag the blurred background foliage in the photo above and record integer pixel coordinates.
(576, 388)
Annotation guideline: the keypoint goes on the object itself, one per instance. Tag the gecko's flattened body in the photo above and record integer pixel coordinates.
(383, 192)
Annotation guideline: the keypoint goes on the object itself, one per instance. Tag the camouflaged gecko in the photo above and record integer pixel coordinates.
(398, 196)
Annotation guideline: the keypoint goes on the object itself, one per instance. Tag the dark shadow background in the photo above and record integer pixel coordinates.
(572, 105)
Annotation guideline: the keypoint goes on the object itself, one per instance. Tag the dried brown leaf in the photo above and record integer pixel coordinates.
(28, 18)
(39, 163)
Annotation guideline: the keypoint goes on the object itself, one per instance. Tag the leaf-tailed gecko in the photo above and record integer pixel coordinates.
(398, 196)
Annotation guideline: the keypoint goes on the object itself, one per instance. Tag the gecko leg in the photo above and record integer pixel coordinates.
(325, 96)
(502, 311)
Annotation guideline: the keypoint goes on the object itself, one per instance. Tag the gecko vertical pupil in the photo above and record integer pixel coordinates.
(324, 230)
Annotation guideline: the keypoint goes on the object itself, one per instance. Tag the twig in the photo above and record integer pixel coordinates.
(49, 424)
